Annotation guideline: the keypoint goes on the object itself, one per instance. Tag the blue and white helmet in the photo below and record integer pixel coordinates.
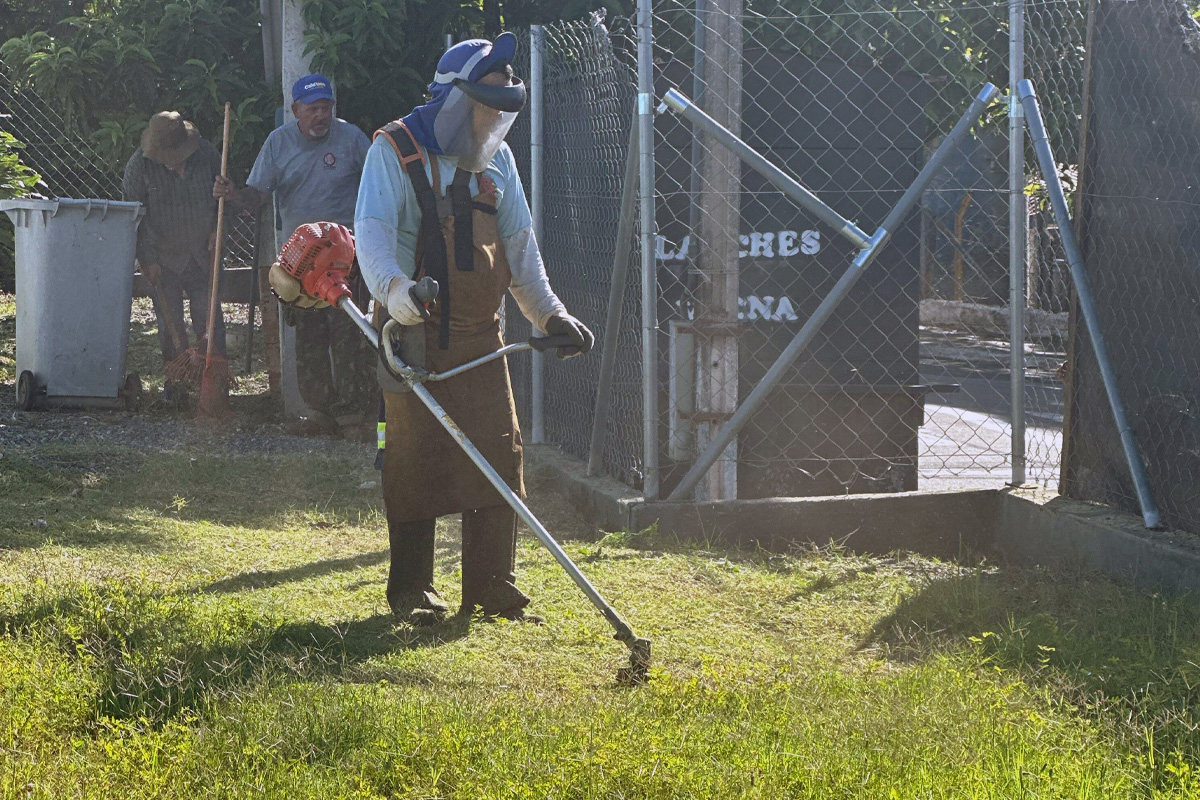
(465, 118)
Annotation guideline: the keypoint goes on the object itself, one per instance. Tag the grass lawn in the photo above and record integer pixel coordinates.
(192, 623)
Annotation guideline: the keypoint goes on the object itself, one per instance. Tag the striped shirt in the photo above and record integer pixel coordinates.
(180, 211)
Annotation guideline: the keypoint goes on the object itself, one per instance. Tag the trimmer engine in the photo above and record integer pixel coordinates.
(320, 255)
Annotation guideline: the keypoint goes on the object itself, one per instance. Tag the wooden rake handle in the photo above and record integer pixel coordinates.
(214, 306)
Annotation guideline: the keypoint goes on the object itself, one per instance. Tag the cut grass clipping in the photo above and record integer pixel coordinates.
(198, 626)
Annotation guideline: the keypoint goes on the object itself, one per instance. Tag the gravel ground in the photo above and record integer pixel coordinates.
(158, 429)
(20, 430)
(254, 428)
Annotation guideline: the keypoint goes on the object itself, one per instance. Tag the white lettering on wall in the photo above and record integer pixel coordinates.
(755, 307)
(756, 244)
(752, 308)
(787, 243)
(810, 243)
(762, 245)
(785, 311)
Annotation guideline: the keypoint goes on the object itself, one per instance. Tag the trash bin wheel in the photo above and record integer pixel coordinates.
(131, 393)
(27, 391)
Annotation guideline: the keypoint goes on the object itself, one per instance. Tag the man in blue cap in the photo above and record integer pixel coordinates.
(440, 196)
(313, 167)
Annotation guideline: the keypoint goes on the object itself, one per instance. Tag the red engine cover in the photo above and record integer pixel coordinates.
(321, 256)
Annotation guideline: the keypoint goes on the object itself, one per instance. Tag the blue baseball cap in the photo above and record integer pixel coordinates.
(311, 88)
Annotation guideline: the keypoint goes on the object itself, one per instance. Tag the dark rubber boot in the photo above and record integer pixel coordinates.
(410, 578)
(419, 608)
(489, 552)
(504, 600)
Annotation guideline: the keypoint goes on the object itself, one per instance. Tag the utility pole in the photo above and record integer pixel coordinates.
(716, 327)
(294, 65)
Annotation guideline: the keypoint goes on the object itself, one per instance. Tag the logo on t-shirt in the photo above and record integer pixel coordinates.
(330, 160)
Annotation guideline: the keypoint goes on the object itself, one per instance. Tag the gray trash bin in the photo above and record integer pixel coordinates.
(74, 262)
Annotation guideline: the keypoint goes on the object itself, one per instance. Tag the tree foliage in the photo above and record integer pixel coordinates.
(16, 179)
(381, 54)
(107, 65)
(107, 70)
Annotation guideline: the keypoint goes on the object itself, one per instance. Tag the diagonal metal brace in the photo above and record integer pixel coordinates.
(1087, 301)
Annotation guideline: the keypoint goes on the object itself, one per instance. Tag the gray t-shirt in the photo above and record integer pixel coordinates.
(313, 181)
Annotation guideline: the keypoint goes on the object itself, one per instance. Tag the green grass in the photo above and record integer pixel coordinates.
(189, 625)
(192, 624)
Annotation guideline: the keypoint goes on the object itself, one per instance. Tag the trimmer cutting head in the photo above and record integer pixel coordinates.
(321, 256)
(638, 671)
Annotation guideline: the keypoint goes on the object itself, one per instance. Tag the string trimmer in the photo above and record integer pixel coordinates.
(320, 256)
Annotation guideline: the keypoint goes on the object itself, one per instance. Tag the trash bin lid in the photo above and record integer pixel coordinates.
(88, 206)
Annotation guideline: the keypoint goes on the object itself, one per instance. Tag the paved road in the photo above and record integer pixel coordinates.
(966, 439)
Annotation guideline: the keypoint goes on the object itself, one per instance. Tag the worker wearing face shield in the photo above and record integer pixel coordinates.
(440, 196)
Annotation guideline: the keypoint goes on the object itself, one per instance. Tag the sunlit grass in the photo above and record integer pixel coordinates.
(194, 625)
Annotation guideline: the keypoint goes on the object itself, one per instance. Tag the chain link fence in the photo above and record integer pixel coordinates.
(1055, 40)
(908, 385)
(589, 81)
(850, 102)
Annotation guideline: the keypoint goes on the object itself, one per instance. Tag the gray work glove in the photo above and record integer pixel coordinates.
(566, 325)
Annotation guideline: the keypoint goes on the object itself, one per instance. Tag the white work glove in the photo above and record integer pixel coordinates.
(400, 304)
(289, 290)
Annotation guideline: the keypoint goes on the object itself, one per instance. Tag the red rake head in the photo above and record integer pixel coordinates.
(320, 255)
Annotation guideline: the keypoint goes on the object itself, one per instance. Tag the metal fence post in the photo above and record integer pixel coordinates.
(645, 108)
(537, 41)
(1017, 232)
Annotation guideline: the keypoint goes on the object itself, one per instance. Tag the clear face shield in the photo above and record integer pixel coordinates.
(472, 123)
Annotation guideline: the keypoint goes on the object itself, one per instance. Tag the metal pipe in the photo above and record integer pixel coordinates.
(699, 91)
(1087, 301)
(649, 232)
(616, 297)
(624, 632)
(537, 41)
(842, 288)
(1018, 227)
(676, 101)
(346, 304)
(404, 372)
(256, 253)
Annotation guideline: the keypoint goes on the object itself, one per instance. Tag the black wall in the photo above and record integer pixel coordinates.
(1140, 228)
(846, 416)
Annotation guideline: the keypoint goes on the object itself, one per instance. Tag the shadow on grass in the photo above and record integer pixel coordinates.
(1094, 642)
(266, 579)
(154, 656)
(78, 490)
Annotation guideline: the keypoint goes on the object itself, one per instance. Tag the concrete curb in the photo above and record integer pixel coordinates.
(1023, 527)
(1042, 528)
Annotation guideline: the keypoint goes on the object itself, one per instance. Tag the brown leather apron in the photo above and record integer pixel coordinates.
(425, 473)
